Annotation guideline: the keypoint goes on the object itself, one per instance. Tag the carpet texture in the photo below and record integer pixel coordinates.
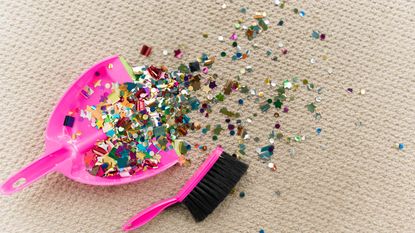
(348, 179)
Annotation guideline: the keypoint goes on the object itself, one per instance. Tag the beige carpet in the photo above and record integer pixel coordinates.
(348, 179)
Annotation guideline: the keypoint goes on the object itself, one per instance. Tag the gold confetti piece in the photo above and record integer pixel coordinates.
(113, 97)
(97, 83)
(260, 15)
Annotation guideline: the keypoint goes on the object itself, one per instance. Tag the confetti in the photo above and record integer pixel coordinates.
(265, 152)
(87, 92)
(318, 131)
(69, 121)
(178, 53)
(311, 107)
(145, 50)
(194, 66)
(153, 110)
(272, 166)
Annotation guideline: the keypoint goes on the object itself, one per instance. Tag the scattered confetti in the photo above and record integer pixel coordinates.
(151, 113)
(315, 35)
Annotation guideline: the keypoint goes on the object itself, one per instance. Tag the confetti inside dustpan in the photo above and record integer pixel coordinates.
(69, 136)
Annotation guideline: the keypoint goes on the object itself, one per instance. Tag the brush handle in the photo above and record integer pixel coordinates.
(148, 214)
(34, 171)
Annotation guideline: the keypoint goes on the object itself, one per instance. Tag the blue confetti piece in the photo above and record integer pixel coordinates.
(110, 133)
(318, 131)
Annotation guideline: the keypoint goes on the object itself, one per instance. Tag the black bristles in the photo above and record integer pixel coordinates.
(215, 186)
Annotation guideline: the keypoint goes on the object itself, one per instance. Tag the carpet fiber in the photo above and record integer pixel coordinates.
(348, 179)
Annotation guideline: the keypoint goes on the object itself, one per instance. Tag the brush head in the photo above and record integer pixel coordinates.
(214, 186)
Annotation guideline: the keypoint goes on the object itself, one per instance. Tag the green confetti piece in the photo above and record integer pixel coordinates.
(263, 24)
(159, 131)
(244, 89)
(228, 113)
(112, 154)
(281, 90)
(287, 84)
(220, 97)
(217, 129)
(311, 107)
(278, 104)
(183, 68)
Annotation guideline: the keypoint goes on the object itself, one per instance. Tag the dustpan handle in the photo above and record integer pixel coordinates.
(34, 171)
(148, 214)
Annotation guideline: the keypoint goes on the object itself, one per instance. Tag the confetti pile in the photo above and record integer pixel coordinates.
(141, 118)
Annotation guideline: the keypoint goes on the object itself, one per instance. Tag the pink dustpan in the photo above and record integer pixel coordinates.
(65, 153)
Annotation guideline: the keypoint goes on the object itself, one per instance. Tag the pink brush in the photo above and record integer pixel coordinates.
(208, 187)
(65, 154)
